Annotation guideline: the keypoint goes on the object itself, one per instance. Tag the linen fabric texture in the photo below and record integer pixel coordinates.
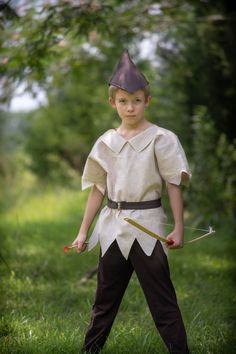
(133, 170)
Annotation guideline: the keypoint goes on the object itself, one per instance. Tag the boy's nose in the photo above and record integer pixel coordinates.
(130, 107)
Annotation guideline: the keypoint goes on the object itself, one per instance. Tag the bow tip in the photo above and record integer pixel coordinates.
(211, 230)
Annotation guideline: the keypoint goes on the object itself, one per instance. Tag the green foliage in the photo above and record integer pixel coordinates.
(214, 179)
(12, 157)
(33, 43)
(197, 100)
(69, 51)
(76, 114)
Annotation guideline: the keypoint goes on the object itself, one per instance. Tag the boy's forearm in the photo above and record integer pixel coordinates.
(94, 203)
(176, 204)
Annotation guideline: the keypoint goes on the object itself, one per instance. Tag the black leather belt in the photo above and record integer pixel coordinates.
(149, 204)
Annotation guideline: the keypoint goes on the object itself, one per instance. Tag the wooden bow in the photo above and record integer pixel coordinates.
(209, 232)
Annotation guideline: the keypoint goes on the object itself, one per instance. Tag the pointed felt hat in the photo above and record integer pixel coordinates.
(127, 76)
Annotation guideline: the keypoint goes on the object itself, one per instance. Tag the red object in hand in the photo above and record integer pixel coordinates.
(170, 242)
(66, 249)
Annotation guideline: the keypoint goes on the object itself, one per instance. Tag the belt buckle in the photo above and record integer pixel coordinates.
(119, 205)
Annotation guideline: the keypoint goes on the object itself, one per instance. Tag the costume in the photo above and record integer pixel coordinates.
(134, 170)
(126, 75)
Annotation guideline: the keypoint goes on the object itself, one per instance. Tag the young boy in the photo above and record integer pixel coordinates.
(130, 165)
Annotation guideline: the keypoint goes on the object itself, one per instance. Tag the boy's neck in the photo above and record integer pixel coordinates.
(128, 131)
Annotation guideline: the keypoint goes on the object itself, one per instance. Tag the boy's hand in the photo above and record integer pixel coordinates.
(79, 242)
(177, 239)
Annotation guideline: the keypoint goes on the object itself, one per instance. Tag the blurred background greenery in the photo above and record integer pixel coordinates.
(68, 50)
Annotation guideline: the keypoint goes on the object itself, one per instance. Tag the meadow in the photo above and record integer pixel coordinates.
(46, 309)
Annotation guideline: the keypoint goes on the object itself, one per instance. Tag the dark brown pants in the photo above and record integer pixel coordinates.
(114, 273)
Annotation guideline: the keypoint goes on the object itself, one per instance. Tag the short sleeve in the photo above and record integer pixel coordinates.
(94, 173)
(171, 159)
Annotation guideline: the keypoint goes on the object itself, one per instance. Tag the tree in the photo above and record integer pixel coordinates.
(63, 48)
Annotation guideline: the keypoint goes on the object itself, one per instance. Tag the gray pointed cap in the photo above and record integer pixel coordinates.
(127, 76)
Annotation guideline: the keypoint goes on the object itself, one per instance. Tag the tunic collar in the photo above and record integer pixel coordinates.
(116, 142)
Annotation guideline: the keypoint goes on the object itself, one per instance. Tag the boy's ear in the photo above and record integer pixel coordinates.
(148, 100)
(112, 102)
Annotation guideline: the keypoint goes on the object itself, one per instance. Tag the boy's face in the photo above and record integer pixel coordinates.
(130, 106)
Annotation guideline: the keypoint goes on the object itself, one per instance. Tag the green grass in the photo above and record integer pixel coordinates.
(44, 309)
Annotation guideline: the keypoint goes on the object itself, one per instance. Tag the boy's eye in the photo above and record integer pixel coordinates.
(122, 100)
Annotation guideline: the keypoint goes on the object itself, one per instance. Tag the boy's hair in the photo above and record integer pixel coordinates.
(113, 89)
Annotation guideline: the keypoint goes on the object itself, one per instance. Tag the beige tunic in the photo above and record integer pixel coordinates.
(133, 170)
